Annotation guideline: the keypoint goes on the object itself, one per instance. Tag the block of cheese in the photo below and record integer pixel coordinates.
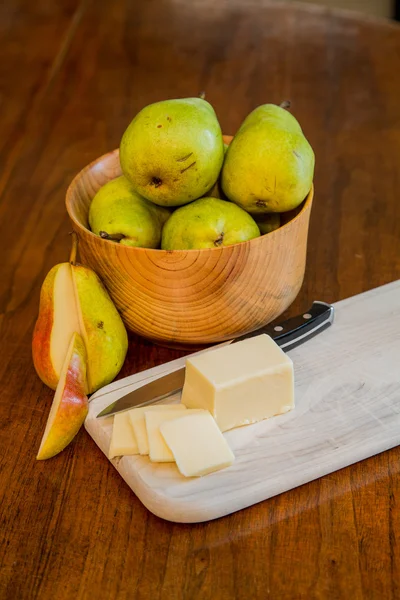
(197, 444)
(242, 383)
(158, 450)
(136, 416)
(123, 441)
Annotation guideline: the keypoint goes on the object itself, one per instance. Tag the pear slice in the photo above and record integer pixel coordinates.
(73, 299)
(70, 404)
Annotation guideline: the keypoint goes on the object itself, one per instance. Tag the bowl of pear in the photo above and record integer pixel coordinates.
(220, 247)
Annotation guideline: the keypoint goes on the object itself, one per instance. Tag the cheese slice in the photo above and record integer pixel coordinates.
(123, 440)
(197, 444)
(241, 383)
(158, 450)
(136, 416)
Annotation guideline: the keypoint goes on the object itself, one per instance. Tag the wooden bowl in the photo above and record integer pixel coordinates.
(192, 297)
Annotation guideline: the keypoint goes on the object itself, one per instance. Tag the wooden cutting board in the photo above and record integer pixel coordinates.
(347, 409)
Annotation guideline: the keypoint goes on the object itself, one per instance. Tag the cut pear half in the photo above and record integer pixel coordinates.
(67, 319)
(73, 299)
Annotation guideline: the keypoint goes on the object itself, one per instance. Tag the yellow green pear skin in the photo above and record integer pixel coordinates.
(269, 165)
(273, 114)
(118, 209)
(208, 223)
(102, 329)
(172, 151)
(268, 222)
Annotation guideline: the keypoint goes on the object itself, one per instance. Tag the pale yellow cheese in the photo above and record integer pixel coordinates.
(158, 450)
(136, 416)
(123, 441)
(197, 444)
(242, 383)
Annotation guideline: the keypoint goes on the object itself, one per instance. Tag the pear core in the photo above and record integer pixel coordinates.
(65, 320)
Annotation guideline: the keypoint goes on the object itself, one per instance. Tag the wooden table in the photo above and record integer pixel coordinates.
(73, 73)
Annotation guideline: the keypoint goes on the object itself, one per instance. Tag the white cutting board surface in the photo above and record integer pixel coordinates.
(347, 383)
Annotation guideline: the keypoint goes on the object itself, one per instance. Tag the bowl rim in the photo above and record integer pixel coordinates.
(305, 205)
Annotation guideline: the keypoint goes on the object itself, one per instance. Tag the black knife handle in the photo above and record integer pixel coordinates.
(295, 331)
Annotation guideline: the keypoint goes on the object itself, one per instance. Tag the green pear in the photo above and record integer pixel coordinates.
(268, 222)
(172, 151)
(272, 113)
(269, 165)
(118, 213)
(73, 299)
(208, 223)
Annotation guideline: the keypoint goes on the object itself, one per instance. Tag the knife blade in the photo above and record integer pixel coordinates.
(287, 335)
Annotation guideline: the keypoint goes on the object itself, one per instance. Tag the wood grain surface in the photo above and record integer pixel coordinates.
(72, 74)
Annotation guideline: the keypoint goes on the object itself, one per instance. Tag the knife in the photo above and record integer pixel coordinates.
(287, 335)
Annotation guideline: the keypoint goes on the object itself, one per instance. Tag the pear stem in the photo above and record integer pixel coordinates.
(285, 104)
(74, 248)
(114, 237)
(202, 95)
